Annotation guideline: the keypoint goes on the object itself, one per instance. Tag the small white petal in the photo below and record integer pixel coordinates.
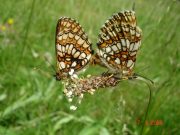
(72, 107)
(71, 72)
(75, 76)
(70, 99)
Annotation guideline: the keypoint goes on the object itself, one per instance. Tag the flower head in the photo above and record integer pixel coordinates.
(10, 21)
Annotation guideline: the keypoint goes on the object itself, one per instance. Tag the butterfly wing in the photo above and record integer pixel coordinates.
(119, 41)
(73, 49)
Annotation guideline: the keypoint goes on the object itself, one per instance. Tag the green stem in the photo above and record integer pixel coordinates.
(25, 36)
(149, 83)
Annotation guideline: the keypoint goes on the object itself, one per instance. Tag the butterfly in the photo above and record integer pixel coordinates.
(119, 41)
(72, 46)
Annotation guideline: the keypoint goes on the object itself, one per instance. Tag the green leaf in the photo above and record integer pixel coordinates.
(62, 121)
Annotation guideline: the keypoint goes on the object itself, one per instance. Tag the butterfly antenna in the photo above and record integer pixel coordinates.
(53, 68)
(133, 6)
(144, 79)
(150, 85)
(38, 68)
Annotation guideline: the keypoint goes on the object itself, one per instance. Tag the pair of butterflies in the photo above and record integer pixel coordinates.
(119, 41)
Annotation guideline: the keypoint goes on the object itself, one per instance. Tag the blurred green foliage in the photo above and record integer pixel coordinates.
(32, 102)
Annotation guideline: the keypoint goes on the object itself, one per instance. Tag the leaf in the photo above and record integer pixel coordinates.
(5, 131)
(62, 121)
(90, 130)
(104, 131)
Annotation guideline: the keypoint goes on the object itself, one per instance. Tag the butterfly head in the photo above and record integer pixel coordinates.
(60, 76)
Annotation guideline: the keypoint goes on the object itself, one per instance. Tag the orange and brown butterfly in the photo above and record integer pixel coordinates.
(73, 48)
(119, 41)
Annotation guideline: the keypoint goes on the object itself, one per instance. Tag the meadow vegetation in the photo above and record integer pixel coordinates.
(32, 101)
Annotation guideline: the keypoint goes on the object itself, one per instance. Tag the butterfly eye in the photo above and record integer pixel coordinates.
(73, 48)
(119, 41)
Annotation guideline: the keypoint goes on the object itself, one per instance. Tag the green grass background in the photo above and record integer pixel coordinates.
(31, 100)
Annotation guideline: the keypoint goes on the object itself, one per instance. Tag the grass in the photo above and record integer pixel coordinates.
(31, 101)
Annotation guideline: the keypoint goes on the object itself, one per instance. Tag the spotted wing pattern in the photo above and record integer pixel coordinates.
(73, 49)
(119, 41)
